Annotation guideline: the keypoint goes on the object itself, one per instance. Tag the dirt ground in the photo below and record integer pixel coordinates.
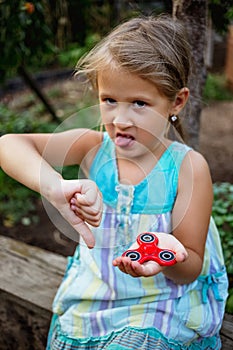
(216, 144)
(216, 139)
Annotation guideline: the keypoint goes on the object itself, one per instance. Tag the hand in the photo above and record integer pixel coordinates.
(79, 202)
(151, 268)
(87, 205)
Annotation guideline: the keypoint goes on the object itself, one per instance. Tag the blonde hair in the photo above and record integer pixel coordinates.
(154, 48)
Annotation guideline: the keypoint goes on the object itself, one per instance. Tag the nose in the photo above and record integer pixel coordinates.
(123, 116)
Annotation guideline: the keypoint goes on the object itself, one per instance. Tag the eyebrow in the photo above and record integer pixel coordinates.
(104, 95)
(129, 98)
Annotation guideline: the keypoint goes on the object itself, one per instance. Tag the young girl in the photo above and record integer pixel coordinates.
(139, 181)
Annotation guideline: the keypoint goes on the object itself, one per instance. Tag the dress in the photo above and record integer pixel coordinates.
(99, 307)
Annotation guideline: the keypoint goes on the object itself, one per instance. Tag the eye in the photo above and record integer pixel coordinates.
(109, 101)
(139, 103)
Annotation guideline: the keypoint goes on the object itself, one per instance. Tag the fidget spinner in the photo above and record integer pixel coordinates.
(148, 250)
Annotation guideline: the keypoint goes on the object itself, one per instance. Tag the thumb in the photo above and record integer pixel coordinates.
(82, 228)
(181, 256)
(181, 252)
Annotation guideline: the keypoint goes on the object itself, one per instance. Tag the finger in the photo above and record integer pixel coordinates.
(89, 210)
(117, 261)
(120, 265)
(89, 205)
(88, 213)
(93, 220)
(134, 269)
(126, 266)
(88, 195)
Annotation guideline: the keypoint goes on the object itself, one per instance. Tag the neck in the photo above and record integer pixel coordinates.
(133, 171)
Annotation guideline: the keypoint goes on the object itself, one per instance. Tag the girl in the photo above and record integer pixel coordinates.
(139, 180)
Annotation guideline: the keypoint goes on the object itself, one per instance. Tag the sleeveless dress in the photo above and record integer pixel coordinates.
(99, 307)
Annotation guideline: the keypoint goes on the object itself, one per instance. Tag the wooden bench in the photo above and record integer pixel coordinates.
(30, 277)
(227, 332)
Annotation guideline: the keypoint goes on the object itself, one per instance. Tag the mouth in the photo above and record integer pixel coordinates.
(124, 140)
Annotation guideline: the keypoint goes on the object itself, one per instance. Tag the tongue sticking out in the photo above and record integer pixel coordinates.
(123, 140)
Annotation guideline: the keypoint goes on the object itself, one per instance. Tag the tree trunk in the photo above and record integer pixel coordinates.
(36, 89)
(194, 15)
(117, 9)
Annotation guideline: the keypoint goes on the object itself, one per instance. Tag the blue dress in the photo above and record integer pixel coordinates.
(99, 307)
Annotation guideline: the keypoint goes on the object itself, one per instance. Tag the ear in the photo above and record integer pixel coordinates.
(180, 101)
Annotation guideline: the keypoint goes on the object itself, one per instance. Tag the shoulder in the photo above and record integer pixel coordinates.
(195, 173)
(80, 145)
(188, 163)
(195, 162)
(93, 137)
(88, 145)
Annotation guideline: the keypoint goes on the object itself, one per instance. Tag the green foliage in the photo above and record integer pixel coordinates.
(24, 123)
(70, 56)
(229, 307)
(17, 201)
(223, 215)
(221, 13)
(25, 37)
(216, 90)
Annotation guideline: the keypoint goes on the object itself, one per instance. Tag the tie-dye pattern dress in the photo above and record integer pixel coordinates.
(99, 307)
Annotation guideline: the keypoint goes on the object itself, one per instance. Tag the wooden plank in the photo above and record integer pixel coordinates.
(22, 327)
(227, 332)
(227, 327)
(29, 280)
(30, 273)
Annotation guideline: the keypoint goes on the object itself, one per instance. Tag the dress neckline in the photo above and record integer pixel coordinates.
(150, 173)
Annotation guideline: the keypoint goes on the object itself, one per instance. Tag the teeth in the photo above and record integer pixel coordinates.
(126, 136)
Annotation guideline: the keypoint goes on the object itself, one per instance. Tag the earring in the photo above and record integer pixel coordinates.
(173, 118)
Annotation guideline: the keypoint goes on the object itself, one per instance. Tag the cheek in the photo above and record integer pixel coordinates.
(154, 125)
(109, 128)
(105, 115)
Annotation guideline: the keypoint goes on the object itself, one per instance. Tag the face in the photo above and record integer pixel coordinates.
(133, 111)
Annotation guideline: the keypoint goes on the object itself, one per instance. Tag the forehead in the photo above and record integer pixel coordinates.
(121, 81)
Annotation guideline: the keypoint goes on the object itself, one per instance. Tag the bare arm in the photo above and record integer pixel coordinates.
(21, 160)
(30, 158)
(191, 216)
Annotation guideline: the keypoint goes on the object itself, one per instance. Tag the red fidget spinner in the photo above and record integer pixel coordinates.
(148, 250)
